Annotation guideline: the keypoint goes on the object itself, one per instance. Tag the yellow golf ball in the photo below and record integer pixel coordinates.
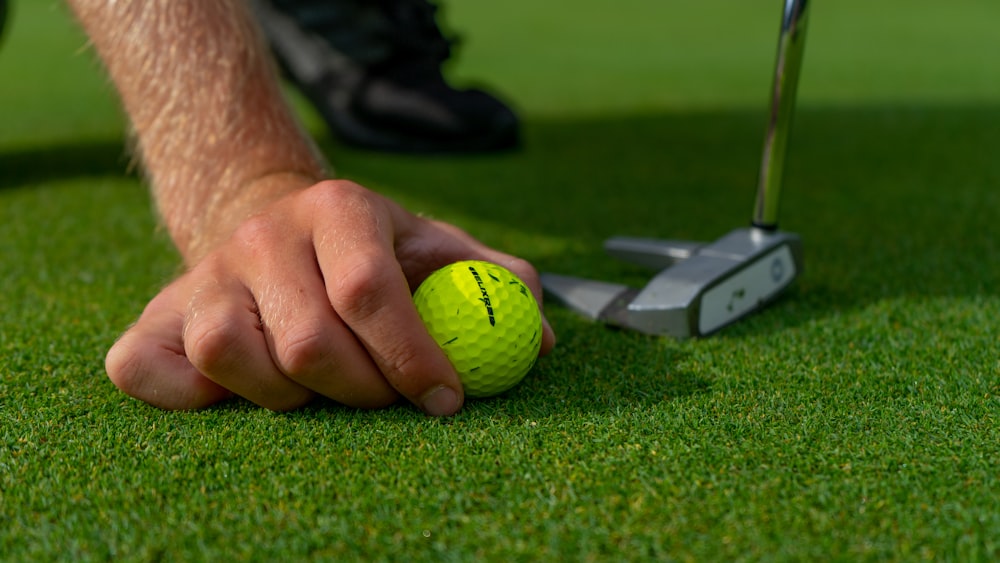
(486, 321)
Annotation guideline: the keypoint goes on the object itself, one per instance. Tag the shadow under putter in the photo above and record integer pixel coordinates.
(703, 287)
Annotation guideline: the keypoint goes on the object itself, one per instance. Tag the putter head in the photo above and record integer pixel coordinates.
(702, 288)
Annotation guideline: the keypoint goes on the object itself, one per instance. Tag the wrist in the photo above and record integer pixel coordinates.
(229, 208)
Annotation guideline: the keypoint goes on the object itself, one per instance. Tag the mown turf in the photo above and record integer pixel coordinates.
(857, 418)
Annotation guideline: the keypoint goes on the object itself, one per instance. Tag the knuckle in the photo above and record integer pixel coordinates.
(208, 342)
(303, 348)
(405, 361)
(336, 192)
(361, 289)
(348, 203)
(332, 197)
(255, 233)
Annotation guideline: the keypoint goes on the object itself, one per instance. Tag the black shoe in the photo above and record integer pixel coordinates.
(372, 68)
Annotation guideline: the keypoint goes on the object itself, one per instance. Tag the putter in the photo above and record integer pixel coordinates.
(702, 287)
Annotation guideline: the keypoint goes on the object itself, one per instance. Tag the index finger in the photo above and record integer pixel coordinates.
(369, 291)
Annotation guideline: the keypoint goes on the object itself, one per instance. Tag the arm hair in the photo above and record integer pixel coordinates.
(213, 132)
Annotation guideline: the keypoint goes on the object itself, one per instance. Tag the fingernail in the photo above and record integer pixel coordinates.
(441, 401)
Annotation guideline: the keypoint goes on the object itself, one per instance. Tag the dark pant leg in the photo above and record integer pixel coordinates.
(3, 16)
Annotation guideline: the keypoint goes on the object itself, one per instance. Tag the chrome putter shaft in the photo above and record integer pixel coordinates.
(703, 287)
(791, 46)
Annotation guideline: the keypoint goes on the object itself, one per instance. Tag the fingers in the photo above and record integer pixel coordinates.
(148, 362)
(198, 342)
(373, 297)
(368, 290)
(307, 340)
(224, 340)
(313, 297)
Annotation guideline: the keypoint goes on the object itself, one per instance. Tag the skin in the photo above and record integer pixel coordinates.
(296, 285)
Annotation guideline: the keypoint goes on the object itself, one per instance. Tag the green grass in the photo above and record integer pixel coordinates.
(857, 418)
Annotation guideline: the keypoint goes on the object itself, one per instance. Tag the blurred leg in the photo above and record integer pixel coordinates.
(372, 68)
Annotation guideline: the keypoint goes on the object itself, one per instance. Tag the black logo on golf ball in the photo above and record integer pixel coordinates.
(486, 296)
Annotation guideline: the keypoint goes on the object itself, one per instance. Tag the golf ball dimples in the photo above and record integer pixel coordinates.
(486, 321)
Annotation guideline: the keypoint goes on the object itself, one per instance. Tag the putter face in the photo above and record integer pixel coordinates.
(758, 282)
(714, 286)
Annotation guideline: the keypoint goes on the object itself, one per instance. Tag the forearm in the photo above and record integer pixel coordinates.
(214, 134)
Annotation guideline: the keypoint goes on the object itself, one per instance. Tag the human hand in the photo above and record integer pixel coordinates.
(312, 296)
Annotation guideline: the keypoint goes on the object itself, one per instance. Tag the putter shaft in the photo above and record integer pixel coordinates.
(704, 287)
(791, 45)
